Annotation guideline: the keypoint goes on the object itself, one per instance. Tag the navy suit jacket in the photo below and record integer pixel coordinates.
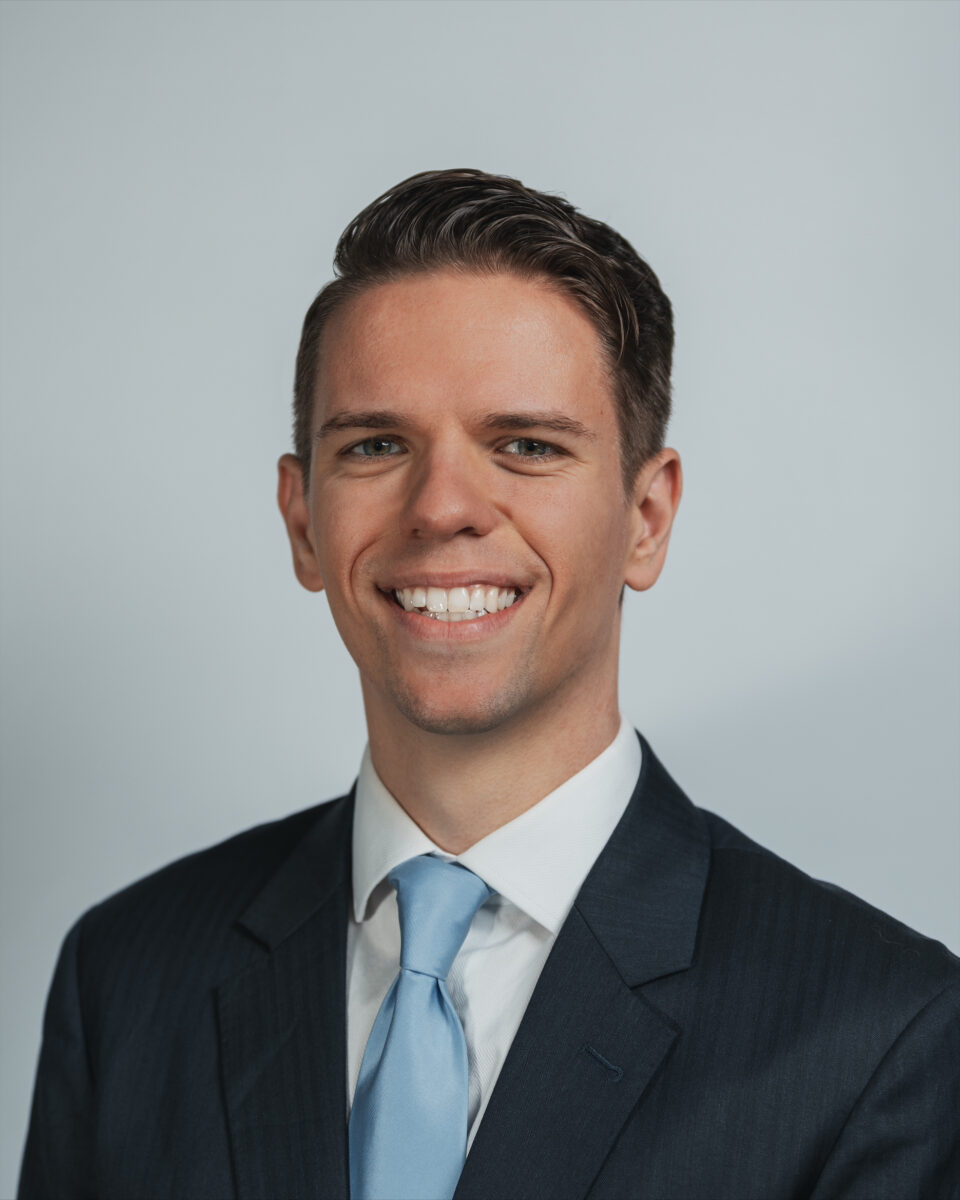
(711, 1024)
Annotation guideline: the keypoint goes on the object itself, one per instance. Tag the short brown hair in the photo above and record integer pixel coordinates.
(468, 220)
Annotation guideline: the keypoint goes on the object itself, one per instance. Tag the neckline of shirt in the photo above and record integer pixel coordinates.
(538, 861)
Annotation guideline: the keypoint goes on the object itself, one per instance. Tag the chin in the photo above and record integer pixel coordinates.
(453, 715)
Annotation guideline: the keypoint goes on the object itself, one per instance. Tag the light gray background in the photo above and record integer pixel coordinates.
(174, 179)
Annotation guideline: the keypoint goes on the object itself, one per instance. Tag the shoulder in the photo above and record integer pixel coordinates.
(196, 900)
(761, 920)
(766, 917)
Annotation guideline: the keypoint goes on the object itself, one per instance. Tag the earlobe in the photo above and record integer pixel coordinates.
(296, 516)
(659, 487)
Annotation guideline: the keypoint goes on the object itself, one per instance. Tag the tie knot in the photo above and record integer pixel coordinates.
(437, 901)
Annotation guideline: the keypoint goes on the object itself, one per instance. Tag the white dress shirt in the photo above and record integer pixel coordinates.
(536, 863)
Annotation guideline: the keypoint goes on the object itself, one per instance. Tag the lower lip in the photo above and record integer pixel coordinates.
(430, 630)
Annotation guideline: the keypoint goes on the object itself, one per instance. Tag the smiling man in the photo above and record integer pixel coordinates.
(464, 508)
(515, 960)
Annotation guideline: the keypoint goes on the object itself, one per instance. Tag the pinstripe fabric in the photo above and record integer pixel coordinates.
(710, 1025)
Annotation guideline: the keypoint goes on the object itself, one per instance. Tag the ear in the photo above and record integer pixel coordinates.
(656, 498)
(296, 517)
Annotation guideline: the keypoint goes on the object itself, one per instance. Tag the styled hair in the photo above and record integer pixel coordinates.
(470, 221)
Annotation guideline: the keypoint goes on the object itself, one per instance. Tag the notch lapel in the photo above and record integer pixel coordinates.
(589, 1043)
(282, 1025)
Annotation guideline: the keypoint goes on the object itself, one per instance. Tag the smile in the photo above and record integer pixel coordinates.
(467, 603)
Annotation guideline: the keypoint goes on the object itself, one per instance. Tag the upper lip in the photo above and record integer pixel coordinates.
(452, 579)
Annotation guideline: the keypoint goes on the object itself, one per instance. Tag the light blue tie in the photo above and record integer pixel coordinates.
(408, 1124)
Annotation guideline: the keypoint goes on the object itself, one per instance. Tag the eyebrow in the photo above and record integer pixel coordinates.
(380, 418)
(383, 418)
(558, 422)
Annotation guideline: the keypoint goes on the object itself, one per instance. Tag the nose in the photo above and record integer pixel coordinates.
(449, 495)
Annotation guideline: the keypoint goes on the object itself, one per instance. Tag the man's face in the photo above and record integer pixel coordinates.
(466, 455)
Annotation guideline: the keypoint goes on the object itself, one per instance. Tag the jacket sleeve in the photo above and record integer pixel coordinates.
(902, 1138)
(58, 1161)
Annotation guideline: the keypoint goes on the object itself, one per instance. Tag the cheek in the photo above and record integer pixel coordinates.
(342, 529)
(583, 546)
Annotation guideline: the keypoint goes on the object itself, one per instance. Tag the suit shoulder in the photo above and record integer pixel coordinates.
(829, 932)
(222, 877)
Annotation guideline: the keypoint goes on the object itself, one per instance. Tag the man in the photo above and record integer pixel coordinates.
(515, 961)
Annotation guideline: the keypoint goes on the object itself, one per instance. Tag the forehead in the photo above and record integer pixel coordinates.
(484, 341)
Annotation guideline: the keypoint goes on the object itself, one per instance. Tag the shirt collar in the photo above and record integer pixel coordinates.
(537, 861)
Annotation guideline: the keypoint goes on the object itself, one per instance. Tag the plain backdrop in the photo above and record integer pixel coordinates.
(174, 178)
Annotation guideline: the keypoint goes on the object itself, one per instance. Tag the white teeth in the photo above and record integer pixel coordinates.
(458, 600)
(436, 600)
(465, 603)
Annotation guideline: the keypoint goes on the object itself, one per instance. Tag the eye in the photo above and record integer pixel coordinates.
(375, 447)
(531, 448)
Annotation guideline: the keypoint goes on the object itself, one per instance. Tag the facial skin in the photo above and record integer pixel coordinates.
(438, 461)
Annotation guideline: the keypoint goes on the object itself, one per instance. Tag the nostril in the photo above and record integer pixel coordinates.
(437, 530)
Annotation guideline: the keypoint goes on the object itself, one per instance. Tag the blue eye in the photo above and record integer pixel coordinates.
(375, 448)
(531, 448)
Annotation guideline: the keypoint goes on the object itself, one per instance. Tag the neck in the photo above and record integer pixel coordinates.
(460, 787)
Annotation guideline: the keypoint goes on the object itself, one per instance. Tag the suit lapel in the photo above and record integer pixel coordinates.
(585, 1051)
(282, 1025)
(589, 1044)
(587, 1047)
